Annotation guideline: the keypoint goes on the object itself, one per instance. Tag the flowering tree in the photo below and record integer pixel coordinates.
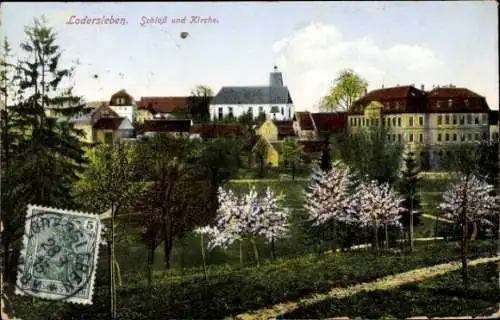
(469, 201)
(327, 201)
(247, 217)
(470, 198)
(377, 205)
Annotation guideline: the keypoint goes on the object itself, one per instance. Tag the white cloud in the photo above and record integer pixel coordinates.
(311, 57)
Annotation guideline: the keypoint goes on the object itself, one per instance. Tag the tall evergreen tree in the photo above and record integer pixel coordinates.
(45, 154)
(408, 188)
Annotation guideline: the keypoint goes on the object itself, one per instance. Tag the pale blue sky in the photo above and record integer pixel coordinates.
(388, 43)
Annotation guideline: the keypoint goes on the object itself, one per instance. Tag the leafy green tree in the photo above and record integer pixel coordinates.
(109, 183)
(372, 154)
(199, 102)
(293, 154)
(408, 187)
(347, 88)
(260, 151)
(42, 153)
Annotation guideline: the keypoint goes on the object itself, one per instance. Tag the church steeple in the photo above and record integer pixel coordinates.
(275, 78)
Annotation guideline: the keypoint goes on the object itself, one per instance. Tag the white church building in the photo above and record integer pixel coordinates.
(273, 100)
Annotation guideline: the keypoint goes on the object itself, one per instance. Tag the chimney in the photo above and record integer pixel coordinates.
(422, 87)
(382, 86)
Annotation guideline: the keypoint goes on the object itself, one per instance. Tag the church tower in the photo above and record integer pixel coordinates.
(276, 78)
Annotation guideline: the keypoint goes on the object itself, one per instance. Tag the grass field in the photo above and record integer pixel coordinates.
(230, 290)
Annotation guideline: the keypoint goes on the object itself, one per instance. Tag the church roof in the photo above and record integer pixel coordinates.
(253, 95)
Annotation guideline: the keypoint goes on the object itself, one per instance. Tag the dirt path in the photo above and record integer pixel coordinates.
(390, 282)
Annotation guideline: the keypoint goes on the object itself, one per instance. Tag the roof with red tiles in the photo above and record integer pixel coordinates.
(456, 100)
(167, 125)
(333, 122)
(285, 128)
(304, 120)
(216, 130)
(408, 99)
(164, 104)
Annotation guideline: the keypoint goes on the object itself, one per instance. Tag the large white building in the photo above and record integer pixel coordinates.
(273, 100)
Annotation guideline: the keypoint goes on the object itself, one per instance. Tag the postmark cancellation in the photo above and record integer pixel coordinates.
(59, 256)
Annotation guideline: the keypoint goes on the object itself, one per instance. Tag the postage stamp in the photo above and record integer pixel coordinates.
(60, 253)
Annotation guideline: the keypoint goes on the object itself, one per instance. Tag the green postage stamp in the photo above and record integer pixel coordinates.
(60, 253)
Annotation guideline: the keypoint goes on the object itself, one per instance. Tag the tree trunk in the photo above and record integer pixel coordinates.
(293, 172)
(261, 174)
(112, 267)
(411, 224)
(255, 251)
(273, 250)
(202, 243)
(474, 231)
(386, 237)
(167, 250)
(376, 238)
(241, 253)
(151, 259)
(463, 251)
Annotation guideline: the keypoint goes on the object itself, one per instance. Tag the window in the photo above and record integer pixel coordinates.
(282, 111)
(495, 136)
(421, 137)
(462, 120)
(485, 136)
(454, 137)
(383, 122)
(289, 113)
(476, 120)
(450, 103)
(393, 122)
(388, 137)
(261, 110)
(397, 104)
(454, 119)
(221, 115)
(469, 136)
(447, 119)
(399, 122)
(469, 119)
(250, 111)
(485, 119)
(400, 137)
(410, 121)
(394, 137)
(420, 121)
(466, 102)
(440, 120)
(410, 137)
(108, 137)
(438, 104)
(373, 122)
(376, 122)
(476, 136)
(447, 137)
(363, 122)
(388, 122)
(230, 111)
(439, 137)
(462, 137)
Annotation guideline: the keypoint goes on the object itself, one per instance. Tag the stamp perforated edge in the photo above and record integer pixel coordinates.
(27, 228)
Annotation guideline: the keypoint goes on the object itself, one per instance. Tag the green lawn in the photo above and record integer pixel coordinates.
(442, 296)
(230, 290)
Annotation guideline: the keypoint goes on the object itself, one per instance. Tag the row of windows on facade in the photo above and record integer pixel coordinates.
(397, 104)
(274, 110)
(356, 122)
(439, 137)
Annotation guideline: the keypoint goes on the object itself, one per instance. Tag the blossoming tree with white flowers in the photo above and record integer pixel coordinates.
(470, 200)
(328, 199)
(246, 217)
(377, 205)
